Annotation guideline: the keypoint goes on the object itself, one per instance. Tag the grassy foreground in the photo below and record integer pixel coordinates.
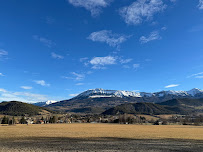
(102, 131)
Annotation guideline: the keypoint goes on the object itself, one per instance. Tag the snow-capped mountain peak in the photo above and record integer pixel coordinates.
(97, 93)
(194, 91)
(92, 93)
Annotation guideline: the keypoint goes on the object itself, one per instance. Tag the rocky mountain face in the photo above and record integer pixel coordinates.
(104, 99)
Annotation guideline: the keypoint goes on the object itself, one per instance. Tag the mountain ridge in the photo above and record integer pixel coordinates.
(106, 99)
(175, 106)
(98, 92)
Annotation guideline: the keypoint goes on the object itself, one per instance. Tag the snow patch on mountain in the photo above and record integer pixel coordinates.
(50, 102)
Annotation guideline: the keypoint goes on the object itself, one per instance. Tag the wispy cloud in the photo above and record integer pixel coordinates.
(3, 53)
(199, 77)
(124, 61)
(45, 41)
(78, 76)
(141, 10)
(83, 59)
(153, 36)
(196, 28)
(73, 95)
(1, 74)
(106, 36)
(94, 6)
(2, 90)
(164, 28)
(101, 62)
(136, 66)
(75, 76)
(21, 96)
(56, 56)
(172, 85)
(50, 20)
(126, 66)
(196, 75)
(26, 87)
(42, 83)
(79, 84)
(200, 5)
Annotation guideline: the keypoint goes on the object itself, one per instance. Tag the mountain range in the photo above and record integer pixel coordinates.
(102, 99)
(97, 93)
(112, 102)
(174, 106)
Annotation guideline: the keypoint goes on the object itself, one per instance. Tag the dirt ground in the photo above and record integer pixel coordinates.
(101, 137)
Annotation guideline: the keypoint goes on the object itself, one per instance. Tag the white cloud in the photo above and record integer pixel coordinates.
(172, 85)
(200, 6)
(79, 84)
(141, 10)
(136, 90)
(83, 59)
(101, 62)
(164, 28)
(126, 66)
(136, 66)
(21, 96)
(89, 72)
(124, 61)
(73, 95)
(98, 67)
(42, 83)
(2, 90)
(94, 6)
(45, 41)
(106, 36)
(153, 36)
(3, 53)
(26, 87)
(108, 60)
(1, 74)
(76, 76)
(195, 75)
(199, 77)
(56, 56)
(31, 96)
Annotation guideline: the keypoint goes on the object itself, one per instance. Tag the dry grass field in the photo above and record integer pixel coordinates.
(100, 137)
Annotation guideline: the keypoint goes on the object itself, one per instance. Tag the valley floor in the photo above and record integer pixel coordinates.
(101, 137)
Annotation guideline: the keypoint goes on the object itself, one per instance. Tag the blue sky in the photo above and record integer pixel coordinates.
(53, 50)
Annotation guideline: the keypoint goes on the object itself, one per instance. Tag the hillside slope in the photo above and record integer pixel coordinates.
(175, 106)
(16, 108)
(138, 108)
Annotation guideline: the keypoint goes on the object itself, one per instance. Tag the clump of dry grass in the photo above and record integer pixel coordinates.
(102, 130)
